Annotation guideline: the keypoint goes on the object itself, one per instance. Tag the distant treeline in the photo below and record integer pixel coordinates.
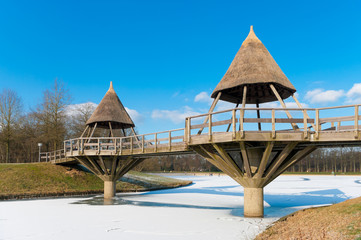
(338, 160)
(53, 120)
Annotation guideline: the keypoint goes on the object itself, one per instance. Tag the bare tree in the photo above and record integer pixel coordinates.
(51, 114)
(10, 113)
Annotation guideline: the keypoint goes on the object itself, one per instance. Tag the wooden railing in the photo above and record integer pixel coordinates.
(235, 121)
(144, 143)
(274, 120)
(52, 156)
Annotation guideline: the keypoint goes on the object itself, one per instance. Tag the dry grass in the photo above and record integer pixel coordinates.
(43, 179)
(339, 221)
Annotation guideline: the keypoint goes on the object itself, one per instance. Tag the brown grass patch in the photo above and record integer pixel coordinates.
(338, 221)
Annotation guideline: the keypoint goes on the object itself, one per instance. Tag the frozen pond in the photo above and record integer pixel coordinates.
(211, 208)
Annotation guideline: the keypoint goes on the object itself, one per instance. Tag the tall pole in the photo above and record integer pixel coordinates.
(39, 145)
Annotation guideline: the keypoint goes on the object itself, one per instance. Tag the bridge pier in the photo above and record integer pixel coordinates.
(253, 202)
(109, 189)
(253, 165)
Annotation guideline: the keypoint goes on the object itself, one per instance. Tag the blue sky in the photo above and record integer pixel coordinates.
(161, 54)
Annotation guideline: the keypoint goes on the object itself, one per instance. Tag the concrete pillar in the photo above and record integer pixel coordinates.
(253, 202)
(109, 189)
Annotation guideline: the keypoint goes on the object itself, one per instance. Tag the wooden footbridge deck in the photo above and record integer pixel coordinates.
(313, 126)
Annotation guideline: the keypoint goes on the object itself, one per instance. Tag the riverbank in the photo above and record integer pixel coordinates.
(38, 180)
(338, 221)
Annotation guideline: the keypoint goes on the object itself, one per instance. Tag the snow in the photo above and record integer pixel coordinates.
(211, 208)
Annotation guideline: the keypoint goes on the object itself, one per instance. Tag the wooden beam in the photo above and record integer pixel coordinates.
(258, 116)
(103, 165)
(86, 128)
(95, 165)
(95, 126)
(297, 157)
(283, 155)
(264, 160)
(227, 158)
(232, 119)
(304, 111)
(111, 129)
(244, 96)
(294, 126)
(215, 101)
(245, 159)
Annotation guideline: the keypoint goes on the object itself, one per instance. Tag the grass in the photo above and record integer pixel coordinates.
(42, 179)
(338, 221)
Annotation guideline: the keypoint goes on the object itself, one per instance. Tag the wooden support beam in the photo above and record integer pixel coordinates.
(294, 126)
(227, 158)
(258, 116)
(232, 119)
(111, 129)
(245, 159)
(218, 162)
(88, 165)
(114, 165)
(101, 160)
(278, 161)
(304, 111)
(95, 126)
(297, 157)
(215, 101)
(86, 128)
(244, 96)
(95, 165)
(264, 160)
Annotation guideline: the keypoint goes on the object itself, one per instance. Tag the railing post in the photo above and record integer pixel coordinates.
(120, 146)
(155, 142)
(170, 140)
(99, 147)
(210, 127)
(71, 147)
(78, 144)
(234, 123)
(64, 148)
(241, 118)
(356, 121)
(317, 123)
(187, 130)
(273, 124)
(131, 145)
(305, 128)
(142, 143)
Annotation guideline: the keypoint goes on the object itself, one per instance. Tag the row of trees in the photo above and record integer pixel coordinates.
(54, 120)
(49, 123)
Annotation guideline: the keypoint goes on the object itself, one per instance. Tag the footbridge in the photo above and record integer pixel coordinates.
(251, 143)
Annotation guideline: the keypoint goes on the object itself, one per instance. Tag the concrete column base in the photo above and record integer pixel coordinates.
(253, 202)
(109, 189)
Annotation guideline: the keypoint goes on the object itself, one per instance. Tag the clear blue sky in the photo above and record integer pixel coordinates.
(161, 54)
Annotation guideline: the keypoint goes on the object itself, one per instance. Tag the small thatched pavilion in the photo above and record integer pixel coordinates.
(110, 116)
(252, 78)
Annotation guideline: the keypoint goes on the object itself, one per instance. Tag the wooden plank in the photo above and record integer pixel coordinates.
(338, 119)
(294, 126)
(245, 159)
(211, 110)
(264, 160)
(228, 159)
(304, 111)
(283, 155)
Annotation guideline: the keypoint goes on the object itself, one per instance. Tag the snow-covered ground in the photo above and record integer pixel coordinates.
(211, 208)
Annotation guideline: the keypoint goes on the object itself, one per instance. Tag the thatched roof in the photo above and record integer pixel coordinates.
(253, 66)
(110, 109)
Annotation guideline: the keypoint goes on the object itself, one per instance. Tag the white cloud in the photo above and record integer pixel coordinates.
(176, 116)
(321, 96)
(203, 97)
(75, 109)
(354, 94)
(134, 115)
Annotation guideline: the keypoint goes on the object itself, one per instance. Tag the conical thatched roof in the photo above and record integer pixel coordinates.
(253, 66)
(110, 109)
